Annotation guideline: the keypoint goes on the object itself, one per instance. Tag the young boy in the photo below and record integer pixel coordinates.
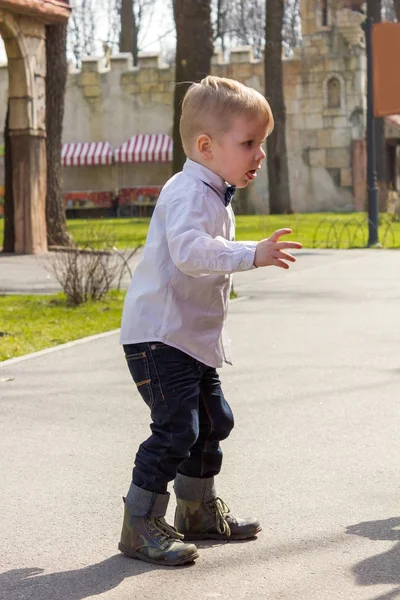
(173, 324)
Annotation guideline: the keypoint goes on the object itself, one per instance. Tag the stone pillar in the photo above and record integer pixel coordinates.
(24, 39)
(29, 186)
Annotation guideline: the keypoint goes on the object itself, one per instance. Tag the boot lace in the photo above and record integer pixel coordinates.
(162, 531)
(221, 511)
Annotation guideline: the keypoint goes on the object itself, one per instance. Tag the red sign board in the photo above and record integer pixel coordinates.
(385, 57)
(139, 195)
(86, 199)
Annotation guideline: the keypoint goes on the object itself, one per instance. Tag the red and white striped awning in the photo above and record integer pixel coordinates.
(87, 154)
(149, 147)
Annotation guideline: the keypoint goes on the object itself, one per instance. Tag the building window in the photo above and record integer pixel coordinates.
(333, 89)
(324, 13)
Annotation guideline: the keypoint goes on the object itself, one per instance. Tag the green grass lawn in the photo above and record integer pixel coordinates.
(32, 323)
(313, 230)
(127, 233)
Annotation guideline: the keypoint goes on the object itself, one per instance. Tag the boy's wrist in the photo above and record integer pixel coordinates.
(255, 257)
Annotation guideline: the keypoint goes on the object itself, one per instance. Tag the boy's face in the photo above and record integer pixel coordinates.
(237, 154)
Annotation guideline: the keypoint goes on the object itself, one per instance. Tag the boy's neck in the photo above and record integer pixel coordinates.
(204, 163)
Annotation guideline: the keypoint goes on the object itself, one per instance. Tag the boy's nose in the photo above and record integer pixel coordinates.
(261, 154)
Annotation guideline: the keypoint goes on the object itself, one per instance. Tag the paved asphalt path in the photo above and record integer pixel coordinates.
(315, 453)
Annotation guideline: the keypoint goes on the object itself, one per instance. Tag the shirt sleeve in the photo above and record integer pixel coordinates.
(194, 251)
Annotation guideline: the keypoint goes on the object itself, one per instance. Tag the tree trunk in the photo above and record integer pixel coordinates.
(135, 40)
(194, 50)
(220, 25)
(56, 57)
(374, 11)
(277, 160)
(126, 40)
(397, 9)
(9, 232)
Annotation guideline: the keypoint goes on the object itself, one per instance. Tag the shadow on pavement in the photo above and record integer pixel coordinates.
(31, 584)
(382, 569)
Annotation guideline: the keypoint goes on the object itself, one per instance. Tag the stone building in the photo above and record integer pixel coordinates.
(325, 94)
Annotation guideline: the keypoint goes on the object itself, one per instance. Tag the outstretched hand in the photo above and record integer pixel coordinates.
(270, 252)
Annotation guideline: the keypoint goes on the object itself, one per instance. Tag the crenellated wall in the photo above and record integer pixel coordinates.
(120, 100)
(112, 103)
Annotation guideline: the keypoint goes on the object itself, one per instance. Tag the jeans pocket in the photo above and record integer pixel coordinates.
(139, 368)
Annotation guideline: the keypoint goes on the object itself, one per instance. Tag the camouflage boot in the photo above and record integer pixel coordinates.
(200, 515)
(148, 536)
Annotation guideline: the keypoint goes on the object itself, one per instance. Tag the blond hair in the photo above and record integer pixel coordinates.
(209, 106)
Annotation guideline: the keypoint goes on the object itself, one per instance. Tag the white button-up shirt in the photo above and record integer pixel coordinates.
(179, 292)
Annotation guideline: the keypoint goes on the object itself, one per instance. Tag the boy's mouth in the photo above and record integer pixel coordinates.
(251, 174)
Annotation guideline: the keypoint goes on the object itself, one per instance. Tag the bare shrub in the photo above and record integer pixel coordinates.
(89, 271)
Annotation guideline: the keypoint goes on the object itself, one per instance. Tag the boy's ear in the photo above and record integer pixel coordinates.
(204, 145)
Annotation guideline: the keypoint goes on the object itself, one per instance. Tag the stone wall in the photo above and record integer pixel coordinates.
(325, 101)
(325, 94)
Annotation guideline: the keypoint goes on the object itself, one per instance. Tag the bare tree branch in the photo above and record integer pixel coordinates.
(112, 10)
(133, 14)
(242, 22)
(397, 9)
(82, 28)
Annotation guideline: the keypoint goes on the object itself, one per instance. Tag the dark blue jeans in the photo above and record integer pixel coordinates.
(189, 413)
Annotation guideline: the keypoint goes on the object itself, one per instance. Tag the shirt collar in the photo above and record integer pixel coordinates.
(198, 171)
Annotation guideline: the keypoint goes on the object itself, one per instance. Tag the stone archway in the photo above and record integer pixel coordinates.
(22, 27)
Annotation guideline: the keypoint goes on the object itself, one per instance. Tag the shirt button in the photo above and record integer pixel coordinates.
(153, 346)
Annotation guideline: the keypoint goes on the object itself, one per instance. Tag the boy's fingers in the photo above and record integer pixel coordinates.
(280, 263)
(285, 256)
(278, 233)
(281, 245)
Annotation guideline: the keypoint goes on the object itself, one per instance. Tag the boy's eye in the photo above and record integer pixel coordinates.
(249, 143)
